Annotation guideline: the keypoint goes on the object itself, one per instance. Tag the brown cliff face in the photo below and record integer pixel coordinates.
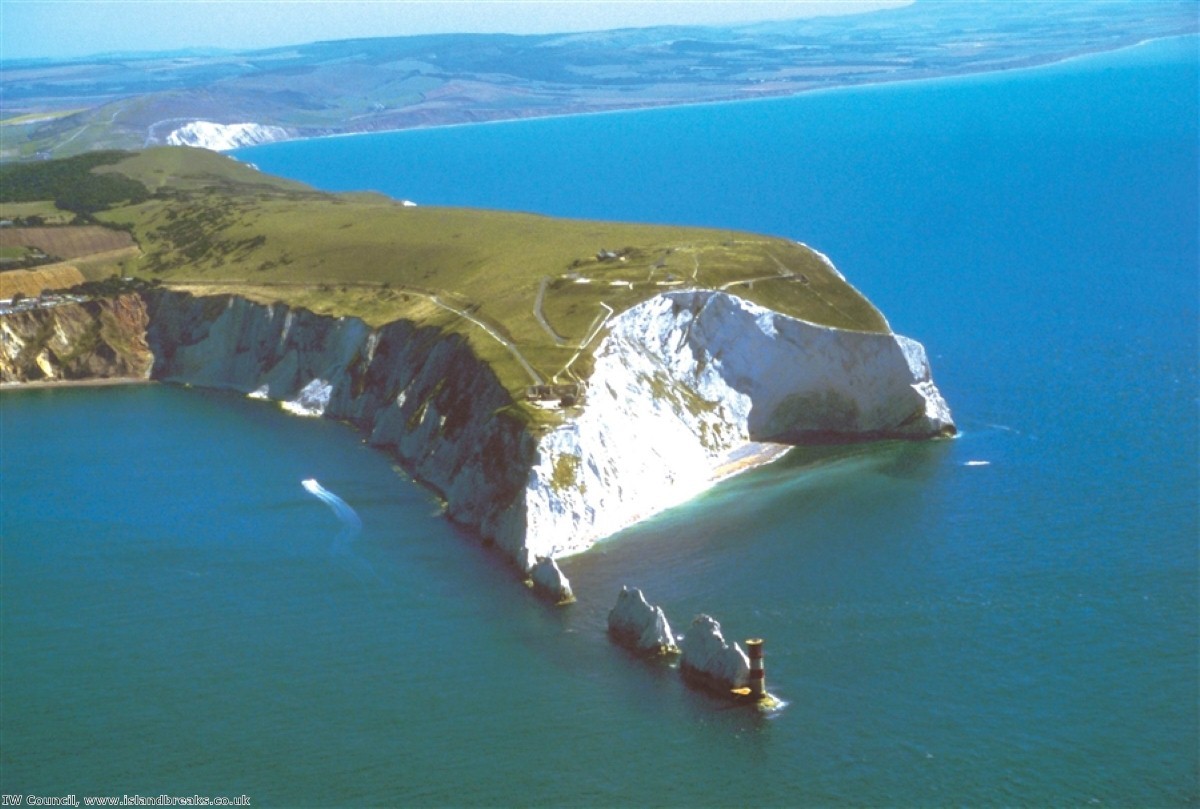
(100, 339)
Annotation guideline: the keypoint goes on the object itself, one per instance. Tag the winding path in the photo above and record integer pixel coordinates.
(540, 316)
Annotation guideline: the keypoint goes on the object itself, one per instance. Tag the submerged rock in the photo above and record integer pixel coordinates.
(709, 661)
(639, 625)
(549, 579)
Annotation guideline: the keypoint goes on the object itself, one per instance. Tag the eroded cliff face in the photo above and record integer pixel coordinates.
(686, 387)
(95, 339)
(687, 381)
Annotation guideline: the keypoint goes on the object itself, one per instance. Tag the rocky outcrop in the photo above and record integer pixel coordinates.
(688, 380)
(708, 661)
(223, 137)
(97, 339)
(548, 579)
(639, 625)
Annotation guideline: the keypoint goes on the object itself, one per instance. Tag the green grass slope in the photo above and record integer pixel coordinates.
(531, 293)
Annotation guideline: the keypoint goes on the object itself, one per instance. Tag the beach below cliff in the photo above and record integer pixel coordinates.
(50, 384)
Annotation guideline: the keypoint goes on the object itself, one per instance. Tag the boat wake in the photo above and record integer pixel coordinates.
(351, 527)
(341, 508)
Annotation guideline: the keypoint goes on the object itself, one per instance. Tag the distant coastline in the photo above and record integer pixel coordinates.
(339, 88)
(1034, 63)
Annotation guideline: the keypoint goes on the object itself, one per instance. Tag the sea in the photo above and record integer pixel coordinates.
(1008, 618)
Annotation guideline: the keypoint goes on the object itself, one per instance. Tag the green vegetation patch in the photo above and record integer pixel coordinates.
(16, 253)
(566, 472)
(34, 214)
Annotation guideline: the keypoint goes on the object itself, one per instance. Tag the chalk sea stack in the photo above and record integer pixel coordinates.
(549, 580)
(639, 625)
(708, 661)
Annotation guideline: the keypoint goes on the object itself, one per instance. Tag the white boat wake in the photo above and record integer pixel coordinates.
(351, 527)
(341, 509)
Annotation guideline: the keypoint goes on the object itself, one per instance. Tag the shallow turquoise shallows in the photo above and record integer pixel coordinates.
(181, 616)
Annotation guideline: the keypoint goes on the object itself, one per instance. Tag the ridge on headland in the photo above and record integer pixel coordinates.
(555, 380)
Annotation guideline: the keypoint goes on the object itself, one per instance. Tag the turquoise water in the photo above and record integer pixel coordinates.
(179, 615)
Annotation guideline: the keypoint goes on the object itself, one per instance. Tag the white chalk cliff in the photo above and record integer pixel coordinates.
(687, 380)
(224, 137)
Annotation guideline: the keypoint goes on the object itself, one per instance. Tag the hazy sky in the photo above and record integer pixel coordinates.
(60, 28)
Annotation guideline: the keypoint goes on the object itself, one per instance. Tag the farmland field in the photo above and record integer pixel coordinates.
(67, 242)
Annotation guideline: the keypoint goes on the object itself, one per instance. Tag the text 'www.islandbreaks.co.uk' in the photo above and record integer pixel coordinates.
(123, 800)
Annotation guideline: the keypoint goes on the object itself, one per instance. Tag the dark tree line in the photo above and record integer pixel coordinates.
(71, 183)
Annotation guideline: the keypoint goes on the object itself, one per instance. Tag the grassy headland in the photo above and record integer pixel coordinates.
(530, 293)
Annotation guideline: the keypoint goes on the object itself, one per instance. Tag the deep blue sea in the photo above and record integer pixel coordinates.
(180, 616)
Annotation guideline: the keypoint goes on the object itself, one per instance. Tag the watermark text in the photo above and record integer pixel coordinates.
(123, 800)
